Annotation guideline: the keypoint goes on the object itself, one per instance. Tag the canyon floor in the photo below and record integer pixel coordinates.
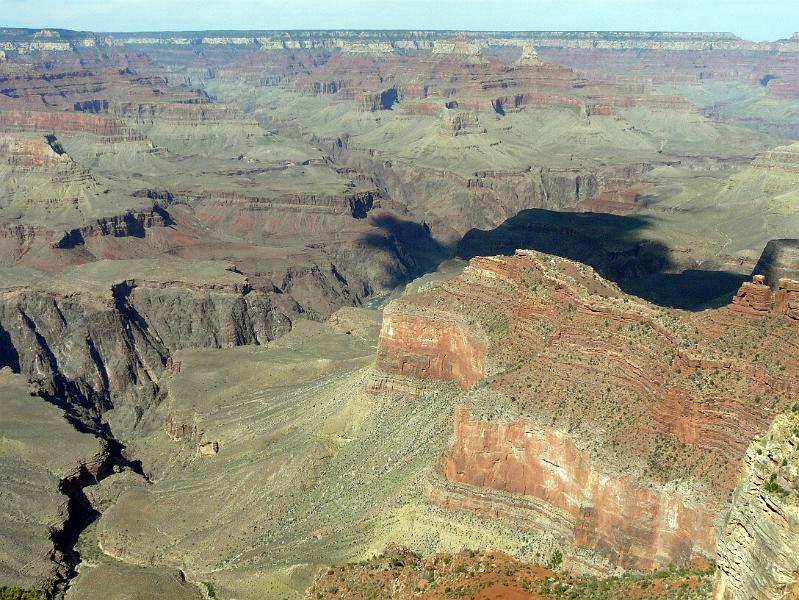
(342, 314)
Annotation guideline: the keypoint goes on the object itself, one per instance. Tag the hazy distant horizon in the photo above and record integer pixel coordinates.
(768, 20)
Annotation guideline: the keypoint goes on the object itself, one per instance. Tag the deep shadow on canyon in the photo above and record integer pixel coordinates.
(614, 245)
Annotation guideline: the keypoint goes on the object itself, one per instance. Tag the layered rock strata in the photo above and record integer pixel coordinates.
(99, 342)
(616, 423)
(756, 297)
(779, 260)
(758, 551)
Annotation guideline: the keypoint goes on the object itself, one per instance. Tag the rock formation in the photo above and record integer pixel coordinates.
(442, 348)
(756, 297)
(758, 550)
(461, 122)
(591, 411)
(181, 212)
(102, 341)
(45, 464)
(529, 55)
(779, 260)
(787, 298)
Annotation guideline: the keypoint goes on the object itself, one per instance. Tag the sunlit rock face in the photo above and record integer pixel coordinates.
(637, 525)
(615, 424)
(758, 551)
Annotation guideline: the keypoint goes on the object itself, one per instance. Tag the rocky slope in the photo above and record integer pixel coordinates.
(382, 120)
(398, 572)
(107, 163)
(758, 550)
(167, 198)
(591, 413)
(99, 337)
(96, 342)
(41, 483)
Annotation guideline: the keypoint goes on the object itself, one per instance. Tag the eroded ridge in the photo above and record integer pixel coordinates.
(616, 423)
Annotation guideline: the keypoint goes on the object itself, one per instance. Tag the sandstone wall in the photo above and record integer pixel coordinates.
(756, 298)
(636, 525)
(425, 348)
(614, 424)
(758, 551)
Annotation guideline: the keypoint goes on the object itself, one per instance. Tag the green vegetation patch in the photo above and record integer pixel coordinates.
(18, 593)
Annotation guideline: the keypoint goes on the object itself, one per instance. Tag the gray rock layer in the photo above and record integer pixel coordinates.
(780, 259)
(94, 353)
(758, 551)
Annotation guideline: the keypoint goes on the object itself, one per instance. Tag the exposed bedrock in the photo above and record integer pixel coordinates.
(44, 506)
(758, 551)
(442, 349)
(106, 348)
(756, 298)
(130, 224)
(613, 423)
(635, 525)
(779, 260)
(608, 243)
(485, 199)
(105, 128)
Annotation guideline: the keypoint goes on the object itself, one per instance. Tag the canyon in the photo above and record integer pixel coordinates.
(522, 303)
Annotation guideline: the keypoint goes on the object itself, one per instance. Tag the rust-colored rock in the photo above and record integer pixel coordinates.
(787, 298)
(428, 348)
(754, 297)
(613, 423)
(637, 525)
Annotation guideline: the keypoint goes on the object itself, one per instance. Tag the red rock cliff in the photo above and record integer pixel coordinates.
(430, 348)
(659, 404)
(635, 524)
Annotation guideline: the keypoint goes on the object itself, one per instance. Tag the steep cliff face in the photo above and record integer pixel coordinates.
(105, 346)
(442, 348)
(613, 422)
(756, 298)
(637, 526)
(780, 260)
(758, 551)
(481, 199)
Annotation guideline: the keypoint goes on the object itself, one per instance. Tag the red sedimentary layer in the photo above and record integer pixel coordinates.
(636, 526)
(471, 84)
(442, 349)
(755, 297)
(786, 301)
(616, 400)
(64, 121)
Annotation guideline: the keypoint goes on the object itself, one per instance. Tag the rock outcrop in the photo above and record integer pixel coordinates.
(787, 298)
(756, 297)
(612, 423)
(758, 551)
(637, 526)
(425, 347)
(529, 55)
(98, 342)
(779, 260)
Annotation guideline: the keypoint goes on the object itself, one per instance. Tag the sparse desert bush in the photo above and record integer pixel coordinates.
(17, 593)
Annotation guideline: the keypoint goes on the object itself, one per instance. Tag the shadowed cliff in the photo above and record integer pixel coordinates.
(616, 246)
